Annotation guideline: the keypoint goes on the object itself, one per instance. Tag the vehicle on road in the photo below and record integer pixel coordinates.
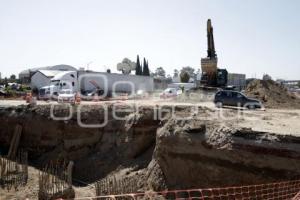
(169, 93)
(234, 98)
(48, 93)
(141, 94)
(66, 95)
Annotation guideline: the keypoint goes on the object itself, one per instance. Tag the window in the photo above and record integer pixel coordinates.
(228, 94)
(239, 95)
(234, 94)
(72, 75)
(73, 84)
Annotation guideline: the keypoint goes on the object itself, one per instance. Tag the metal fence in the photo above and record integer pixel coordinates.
(54, 181)
(14, 172)
(112, 186)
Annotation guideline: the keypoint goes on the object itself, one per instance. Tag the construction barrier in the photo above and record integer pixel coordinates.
(77, 98)
(288, 190)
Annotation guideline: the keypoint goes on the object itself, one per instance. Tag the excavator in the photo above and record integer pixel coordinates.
(212, 76)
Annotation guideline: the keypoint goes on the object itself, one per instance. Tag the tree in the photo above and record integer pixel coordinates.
(146, 68)
(126, 66)
(160, 72)
(176, 73)
(189, 70)
(169, 79)
(5, 82)
(138, 67)
(299, 84)
(184, 77)
(12, 77)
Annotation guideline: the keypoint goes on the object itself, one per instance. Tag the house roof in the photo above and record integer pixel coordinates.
(49, 73)
(59, 75)
(61, 67)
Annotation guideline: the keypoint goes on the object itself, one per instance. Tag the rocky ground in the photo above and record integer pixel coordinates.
(195, 147)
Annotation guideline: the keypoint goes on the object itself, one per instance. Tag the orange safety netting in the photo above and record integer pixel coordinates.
(288, 190)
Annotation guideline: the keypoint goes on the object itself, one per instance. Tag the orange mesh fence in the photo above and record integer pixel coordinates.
(289, 190)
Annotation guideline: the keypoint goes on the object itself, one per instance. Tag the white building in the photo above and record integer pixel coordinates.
(42, 78)
(25, 75)
(113, 82)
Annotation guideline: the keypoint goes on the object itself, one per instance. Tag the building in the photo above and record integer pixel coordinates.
(42, 78)
(114, 82)
(25, 75)
(291, 85)
(237, 80)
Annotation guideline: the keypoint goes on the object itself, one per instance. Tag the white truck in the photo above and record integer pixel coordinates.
(66, 80)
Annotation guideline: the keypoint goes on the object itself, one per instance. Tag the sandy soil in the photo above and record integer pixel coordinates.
(275, 121)
(280, 121)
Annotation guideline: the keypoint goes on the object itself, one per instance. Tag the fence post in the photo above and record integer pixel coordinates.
(70, 169)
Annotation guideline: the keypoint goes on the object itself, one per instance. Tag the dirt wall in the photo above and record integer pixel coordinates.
(166, 153)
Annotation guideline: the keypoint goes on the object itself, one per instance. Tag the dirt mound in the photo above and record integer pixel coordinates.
(272, 94)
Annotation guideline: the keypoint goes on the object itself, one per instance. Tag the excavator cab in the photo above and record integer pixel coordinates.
(222, 77)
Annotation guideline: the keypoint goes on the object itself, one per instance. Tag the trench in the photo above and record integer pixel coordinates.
(162, 154)
(120, 144)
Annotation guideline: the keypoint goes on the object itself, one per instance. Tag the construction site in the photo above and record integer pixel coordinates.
(83, 135)
(165, 149)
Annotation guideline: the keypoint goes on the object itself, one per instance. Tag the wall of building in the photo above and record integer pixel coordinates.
(39, 80)
(120, 82)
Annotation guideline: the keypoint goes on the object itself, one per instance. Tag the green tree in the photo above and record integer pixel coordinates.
(184, 77)
(160, 72)
(189, 70)
(138, 68)
(12, 77)
(146, 71)
(299, 84)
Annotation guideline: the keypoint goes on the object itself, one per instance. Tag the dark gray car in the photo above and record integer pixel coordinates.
(234, 98)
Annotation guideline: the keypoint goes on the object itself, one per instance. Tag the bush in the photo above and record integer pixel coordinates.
(184, 77)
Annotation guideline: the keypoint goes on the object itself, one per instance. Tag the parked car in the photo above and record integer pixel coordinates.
(169, 93)
(141, 94)
(66, 95)
(234, 98)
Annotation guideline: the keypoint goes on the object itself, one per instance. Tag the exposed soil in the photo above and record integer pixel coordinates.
(158, 150)
(272, 94)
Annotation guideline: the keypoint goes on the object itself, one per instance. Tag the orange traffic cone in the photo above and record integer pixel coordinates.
(28, 97)
(77, 98)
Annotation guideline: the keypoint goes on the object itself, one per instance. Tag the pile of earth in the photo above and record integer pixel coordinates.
(272, 94)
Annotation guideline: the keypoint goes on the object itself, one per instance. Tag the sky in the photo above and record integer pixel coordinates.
(251, 36)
